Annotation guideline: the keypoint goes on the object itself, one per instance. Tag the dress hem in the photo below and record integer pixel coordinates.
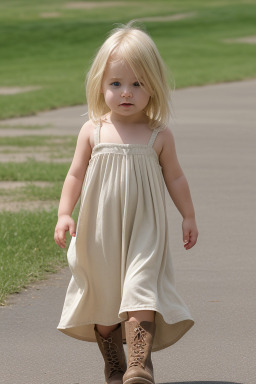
(173, 320)
(163, 346)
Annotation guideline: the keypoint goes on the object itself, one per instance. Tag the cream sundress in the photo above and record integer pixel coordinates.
(120, 259)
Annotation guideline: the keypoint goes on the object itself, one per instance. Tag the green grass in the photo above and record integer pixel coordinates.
(55, 53)
(21, 265)
(33, 171)
(31, 192)
(24, 127)
(39, 141)
(27, 248)
(54, 147)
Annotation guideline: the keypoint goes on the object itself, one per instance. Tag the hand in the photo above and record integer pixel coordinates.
(190, 232)
(65, 223)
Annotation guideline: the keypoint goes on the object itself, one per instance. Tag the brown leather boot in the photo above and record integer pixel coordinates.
(113, 354)
(139, 339)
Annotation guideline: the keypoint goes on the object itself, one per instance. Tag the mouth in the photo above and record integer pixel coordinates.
(126, 104)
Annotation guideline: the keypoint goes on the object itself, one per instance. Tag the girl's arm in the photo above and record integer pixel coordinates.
(73, 184)
(178, 188)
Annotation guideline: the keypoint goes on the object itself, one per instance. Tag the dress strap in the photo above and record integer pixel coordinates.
(97, 134)
(153, 137)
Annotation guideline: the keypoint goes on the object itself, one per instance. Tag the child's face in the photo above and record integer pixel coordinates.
(123, 93)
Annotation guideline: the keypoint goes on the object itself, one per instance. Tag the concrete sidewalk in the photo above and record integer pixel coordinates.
(215, 136)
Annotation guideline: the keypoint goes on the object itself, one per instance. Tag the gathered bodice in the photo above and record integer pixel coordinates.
(124, 149)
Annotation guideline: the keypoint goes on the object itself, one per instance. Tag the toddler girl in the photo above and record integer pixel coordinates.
(122, 287)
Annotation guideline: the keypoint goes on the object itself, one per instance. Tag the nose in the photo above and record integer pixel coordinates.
(126, 92)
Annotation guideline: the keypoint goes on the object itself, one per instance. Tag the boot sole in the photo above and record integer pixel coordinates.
(138, 380)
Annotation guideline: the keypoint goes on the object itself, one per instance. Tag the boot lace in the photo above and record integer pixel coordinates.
(138, 345)
(111, 351)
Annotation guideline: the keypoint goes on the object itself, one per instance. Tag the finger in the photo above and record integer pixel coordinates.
(72, 229)
(59, 242)
(193, 238)
(187, 246)
(191, 243)
(60, 238)
(56, 238)
(61, 235)
(186, 237)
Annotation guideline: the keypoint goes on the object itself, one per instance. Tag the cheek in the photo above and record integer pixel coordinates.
(109, 98)
(108, 94)
(145, 96)
(144, 93)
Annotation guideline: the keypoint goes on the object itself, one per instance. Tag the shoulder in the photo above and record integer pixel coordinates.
(87, 133)
(166, 138)
(163, 140)
(88, 127)
(165, 132)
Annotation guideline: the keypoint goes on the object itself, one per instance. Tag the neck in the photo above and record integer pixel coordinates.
(139, 118)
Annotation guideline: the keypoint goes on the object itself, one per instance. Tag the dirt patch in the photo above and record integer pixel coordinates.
(19, 184)
(21, 157)
(178, 16)
(244, 40)
(10, 204)
(23, 127)
(94, 4)
(16, 206)
(15, 90)
(49, 15)
(5, 149)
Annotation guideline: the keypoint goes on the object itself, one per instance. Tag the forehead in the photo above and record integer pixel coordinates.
(117, 67)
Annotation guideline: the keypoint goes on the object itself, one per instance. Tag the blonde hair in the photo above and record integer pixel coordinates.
(140, 52)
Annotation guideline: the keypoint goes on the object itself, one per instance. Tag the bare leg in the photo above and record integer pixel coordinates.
(133, 316)
(141, 316)
(105, 330)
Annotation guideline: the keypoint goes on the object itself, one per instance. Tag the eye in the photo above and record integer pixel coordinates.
(115, 83)
(137, 84)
